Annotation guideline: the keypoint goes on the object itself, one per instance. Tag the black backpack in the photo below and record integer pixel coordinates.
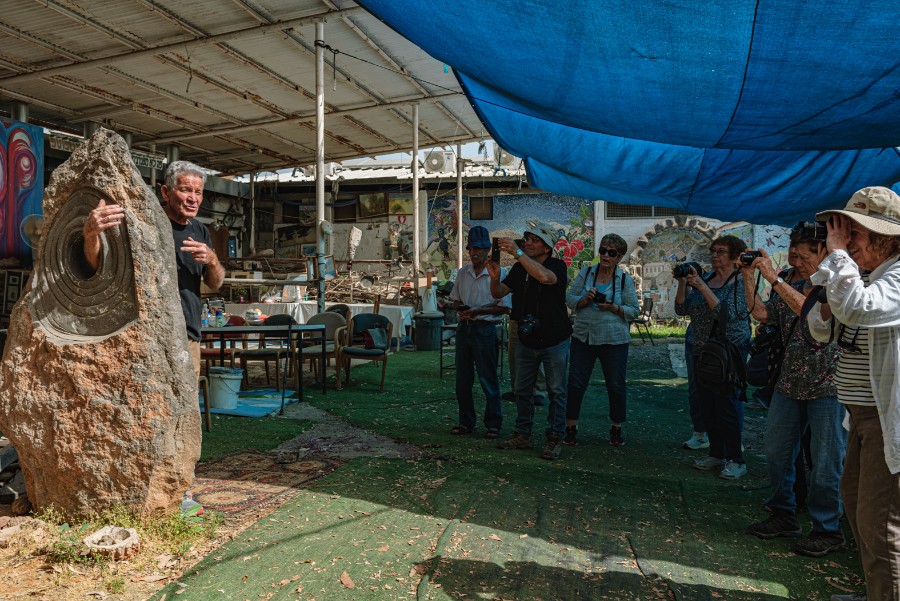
(720, 364)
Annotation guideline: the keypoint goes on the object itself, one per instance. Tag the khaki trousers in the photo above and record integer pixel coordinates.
(871, 497)
(195, 356)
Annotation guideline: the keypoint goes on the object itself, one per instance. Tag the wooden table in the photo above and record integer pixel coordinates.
(284, 332)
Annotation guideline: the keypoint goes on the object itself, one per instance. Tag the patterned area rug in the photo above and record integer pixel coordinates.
(252, 484)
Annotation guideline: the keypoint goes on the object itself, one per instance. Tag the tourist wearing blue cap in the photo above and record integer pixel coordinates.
(476, 337)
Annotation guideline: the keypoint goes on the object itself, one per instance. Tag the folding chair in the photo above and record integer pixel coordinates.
(645, 319)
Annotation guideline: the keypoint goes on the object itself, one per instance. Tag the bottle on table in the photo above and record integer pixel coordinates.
(204, 316)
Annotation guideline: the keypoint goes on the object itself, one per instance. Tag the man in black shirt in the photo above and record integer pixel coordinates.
(538, 285)
(194, 257)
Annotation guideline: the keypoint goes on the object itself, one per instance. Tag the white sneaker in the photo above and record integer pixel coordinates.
(696, 442)
(733, 471)
(708, 463)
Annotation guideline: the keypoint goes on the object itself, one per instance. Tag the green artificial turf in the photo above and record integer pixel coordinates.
(465, 520)
(232, 434)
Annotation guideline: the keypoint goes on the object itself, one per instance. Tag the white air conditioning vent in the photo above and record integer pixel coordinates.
(439, 161)
(503, 158)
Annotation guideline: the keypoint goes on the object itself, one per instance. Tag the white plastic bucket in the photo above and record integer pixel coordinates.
(224, 384)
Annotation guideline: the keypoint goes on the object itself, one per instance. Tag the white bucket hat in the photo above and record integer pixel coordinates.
(876, 208)
(545, 232)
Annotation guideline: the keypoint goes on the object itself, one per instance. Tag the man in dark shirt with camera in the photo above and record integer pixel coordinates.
(538, 285)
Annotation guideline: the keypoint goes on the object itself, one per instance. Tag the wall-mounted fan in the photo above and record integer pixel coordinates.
(439, 161)
(503, 158)
(31, 228)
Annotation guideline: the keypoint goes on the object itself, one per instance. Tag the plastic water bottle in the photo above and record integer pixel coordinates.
(204, 316)
(220, 318)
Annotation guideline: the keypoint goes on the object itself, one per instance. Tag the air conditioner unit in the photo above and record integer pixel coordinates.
(439, 161)
(503, 158)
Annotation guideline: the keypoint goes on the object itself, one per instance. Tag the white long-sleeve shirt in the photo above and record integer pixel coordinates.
(876, 307)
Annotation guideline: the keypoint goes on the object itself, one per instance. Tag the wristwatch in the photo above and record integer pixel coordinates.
(519, 252)
(778, 280)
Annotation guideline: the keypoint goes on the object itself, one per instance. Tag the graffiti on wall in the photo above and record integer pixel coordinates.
(21, 188)
(511, 213)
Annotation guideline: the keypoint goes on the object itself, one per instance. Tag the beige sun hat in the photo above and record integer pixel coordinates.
(876, 208)
(544, 231)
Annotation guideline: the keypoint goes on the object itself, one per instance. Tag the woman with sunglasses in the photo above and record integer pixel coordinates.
(719, 418)
(604, 301)
(860, 271)
(804, 397)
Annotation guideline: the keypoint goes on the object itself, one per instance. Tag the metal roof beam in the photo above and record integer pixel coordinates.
(184, 46)
(295, 120)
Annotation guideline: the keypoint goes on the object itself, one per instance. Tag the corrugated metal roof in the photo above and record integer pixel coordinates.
(237, 103)
(370, 170)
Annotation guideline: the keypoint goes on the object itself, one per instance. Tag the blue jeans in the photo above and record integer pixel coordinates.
(554, 360)
(476, 350)
(787, 420)
(614, 362)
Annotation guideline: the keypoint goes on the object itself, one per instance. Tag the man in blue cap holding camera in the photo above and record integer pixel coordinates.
(476, 337)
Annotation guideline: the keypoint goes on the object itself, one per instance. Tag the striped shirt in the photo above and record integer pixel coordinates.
(853, 378)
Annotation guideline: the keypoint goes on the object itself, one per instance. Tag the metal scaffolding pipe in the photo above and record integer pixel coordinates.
(415, 174)
(320, 162)
(18, 111)
(459, 207)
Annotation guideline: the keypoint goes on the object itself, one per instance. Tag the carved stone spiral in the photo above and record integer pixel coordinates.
(69, 302)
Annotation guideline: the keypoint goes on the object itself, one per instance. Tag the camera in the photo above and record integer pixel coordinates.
(529, 325)
(495, 250)
(748, 257)
(809, 230)
(599, 298)
(766, 336)
(684, 269)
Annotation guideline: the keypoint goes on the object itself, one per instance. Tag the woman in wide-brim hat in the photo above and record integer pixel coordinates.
(860, 272)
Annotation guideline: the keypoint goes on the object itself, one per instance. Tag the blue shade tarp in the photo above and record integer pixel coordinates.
(760, 111)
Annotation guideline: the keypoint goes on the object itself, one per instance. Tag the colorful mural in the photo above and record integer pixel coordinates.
(21, 187)
(512, 212)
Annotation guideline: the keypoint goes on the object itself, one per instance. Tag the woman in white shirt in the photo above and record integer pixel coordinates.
(860, 272)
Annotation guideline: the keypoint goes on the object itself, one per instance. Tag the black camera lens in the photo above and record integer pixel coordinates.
(809, 230)
(599, 298)
(748, 257)
(684, 269)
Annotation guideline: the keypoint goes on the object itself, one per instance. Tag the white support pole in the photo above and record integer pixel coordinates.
(320, 161)
(252, 213)
(417, 264)
(459, 208)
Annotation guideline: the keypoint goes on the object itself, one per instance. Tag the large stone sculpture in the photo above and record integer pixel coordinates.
(97, 391)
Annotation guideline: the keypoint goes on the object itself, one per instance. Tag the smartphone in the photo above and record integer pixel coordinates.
(463, 308)
(495, 250)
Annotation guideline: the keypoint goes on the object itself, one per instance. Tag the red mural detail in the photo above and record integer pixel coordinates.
(20, 176)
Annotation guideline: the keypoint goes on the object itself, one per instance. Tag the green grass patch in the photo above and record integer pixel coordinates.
(233, 434)
(174, 533)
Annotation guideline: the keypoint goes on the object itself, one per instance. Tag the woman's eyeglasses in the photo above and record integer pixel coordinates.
(718, 251)
(610, 252)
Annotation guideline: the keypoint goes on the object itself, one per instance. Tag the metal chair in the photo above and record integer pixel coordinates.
(645, 320)
(351, 345)
(332, 322)
(266, 353)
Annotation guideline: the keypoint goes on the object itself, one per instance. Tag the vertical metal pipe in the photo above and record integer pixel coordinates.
(18, 111)
(415, 183)
(320, 161)
(459, 207)
(253, 212)
(126, 135)
(153, 170)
